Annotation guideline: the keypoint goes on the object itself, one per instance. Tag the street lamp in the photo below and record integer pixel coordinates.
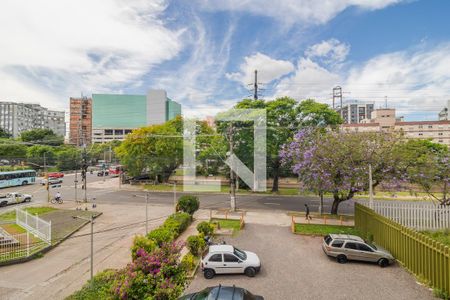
(91, 220)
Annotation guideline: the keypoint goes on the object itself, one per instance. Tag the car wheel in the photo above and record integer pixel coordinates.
(250, 272)
(342, 259)
(24, 182)
(4, 203)
(208, 273)
(383, 262)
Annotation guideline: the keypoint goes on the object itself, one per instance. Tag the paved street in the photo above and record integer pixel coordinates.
(295, 267)
(65, 269)
(108, 192)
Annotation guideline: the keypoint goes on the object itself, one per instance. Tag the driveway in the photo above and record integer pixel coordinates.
(295, 267)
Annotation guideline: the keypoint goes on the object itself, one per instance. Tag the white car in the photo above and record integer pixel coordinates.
(226, 259)
(12, 198)
(51, 181)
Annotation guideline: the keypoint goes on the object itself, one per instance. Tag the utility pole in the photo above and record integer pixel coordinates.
(337, 96)
(146, 213)
(47, 185)
(370, 187)
(232, 174)
(255, 86)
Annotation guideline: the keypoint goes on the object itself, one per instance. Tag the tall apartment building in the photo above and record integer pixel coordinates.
(354, 111)
(444, 114)
(115, 115)
(80, 126)
(385, 120)
(16, 118)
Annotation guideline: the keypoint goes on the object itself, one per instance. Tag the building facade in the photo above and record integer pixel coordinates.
(355, 111)
(115, 115)
(16, 118)
(80, 125)
(385, 120)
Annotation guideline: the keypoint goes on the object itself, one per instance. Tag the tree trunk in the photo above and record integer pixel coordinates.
(276, 176)
(335, 205)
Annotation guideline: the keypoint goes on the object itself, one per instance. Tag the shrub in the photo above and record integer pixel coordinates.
(142, 242)
(100, 287)
(188, 262)
(205, 228)
(195, 244)
(439, 293)
(156, 275)
(188, 204)
(161, 235)
(178, 222)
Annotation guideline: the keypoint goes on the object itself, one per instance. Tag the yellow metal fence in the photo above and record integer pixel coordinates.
(427, 258)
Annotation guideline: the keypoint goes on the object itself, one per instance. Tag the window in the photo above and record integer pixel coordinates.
(327, 239)
(337, 244)
(230, 258)
(351, 245)
(440, 133)
(108, 131)
(420, 134)
(430, 126)
(420, 126)
(363, 247)
(216, 258)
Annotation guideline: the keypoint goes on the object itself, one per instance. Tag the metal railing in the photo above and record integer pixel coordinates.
(16, 246)
(416, 215)
(423, 256)
(35, 225)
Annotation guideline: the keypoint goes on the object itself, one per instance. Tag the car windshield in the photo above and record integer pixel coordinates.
(239, 253)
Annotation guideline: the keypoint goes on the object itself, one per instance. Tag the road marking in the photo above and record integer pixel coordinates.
(271, 203)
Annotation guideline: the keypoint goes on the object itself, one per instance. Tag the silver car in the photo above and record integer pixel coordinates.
(351, 247)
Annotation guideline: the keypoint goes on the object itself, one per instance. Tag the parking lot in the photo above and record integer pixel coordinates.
(295, 267)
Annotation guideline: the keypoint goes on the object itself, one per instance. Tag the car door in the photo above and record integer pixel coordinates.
(215, 262)
(351, 250)
(366, 253)
(232, 264)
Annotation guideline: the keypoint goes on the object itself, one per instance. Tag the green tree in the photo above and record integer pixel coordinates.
(13, 151)
(41, 136)
(4, 133)
(427, 165)
(38, 155)
(284, 117)
(68, 159)
(156, 150)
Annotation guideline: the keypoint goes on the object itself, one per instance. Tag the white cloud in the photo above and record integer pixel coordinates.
(331, 51)
(268, 68)
(53, 48)
(292, 11)
(414, 81)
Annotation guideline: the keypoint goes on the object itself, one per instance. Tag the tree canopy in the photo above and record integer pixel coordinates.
(41, 136)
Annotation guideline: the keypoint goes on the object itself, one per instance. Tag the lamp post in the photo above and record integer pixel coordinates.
(91, 220)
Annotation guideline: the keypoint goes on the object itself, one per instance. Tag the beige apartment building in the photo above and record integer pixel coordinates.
(385, 120)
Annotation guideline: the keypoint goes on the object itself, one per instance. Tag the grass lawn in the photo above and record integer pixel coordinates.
(442, 236)
(11, 215)
(318, 216)
(227, 223)
(319, 229)
(13, 228)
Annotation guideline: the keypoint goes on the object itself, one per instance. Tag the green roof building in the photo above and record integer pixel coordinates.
(116, 115)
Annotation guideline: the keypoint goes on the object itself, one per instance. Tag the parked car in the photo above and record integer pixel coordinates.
(346, 247)
(56, 175)
(103, 173)
(11, 198)
(222, 293)
(51, 181)
(227, 259)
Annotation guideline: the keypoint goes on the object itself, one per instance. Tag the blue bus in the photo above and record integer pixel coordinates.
(15, 178)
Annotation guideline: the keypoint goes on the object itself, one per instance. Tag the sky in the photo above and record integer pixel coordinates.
(204, 53)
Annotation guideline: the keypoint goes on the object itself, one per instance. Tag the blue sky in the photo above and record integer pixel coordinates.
(204, 52)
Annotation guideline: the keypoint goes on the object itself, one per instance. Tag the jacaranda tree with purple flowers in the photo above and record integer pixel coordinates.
(338, 162)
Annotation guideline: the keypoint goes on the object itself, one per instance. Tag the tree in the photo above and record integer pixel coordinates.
(4, 133)
(42, 136)
(284, 117)
(40, 155)
(13, 151)
(337, 162)
(156, 150)
(68, 159)
(427, 165)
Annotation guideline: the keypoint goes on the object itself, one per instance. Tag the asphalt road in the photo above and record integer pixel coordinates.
(112, 195)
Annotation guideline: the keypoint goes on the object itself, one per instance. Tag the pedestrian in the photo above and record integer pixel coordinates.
(307, 215)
